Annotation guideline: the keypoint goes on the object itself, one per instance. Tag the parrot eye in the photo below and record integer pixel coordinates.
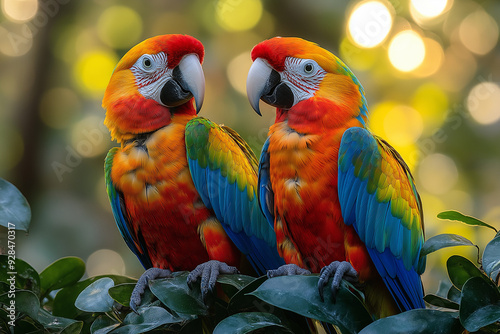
(308, 68)
(147, 63)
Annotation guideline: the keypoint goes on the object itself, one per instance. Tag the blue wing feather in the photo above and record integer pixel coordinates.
(390, 236)
(239, 215)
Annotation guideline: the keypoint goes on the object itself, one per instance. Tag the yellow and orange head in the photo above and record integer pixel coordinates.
(288, 70)
(154, 80)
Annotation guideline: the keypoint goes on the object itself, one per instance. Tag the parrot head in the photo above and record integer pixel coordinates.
(290, 73)
(154, 80)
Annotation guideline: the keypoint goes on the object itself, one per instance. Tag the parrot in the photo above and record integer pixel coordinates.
(182, 188)
(342, 201)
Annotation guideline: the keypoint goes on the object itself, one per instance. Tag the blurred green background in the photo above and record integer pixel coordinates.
(430, 69)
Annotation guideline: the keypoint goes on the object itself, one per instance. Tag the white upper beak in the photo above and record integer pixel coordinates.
(256, 81)
(193, 76)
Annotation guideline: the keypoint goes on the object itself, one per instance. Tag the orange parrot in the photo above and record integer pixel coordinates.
(342, 200)
(182, 188)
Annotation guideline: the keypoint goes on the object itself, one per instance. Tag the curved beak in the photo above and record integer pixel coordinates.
(257, 78)
(187, 81)
(263, 82)
(193, 78)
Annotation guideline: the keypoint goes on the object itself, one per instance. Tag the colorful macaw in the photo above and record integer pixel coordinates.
(182, 188)
(340, 199)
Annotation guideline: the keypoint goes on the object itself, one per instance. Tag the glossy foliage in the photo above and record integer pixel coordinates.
(57, 300)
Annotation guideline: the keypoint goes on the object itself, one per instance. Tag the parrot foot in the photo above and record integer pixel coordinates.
(209, 272)
(338, 270)
(142, 283)
(287, 270)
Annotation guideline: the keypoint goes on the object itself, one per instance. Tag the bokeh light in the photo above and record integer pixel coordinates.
(369, 23)
(429, 8)
(438, 109)
(397, 123)
(483, 102)
(437, 173)
(406, 51)
(400, 125)
(119, 27)
(105, 262)
(432, 104)
(458, 68)
(479, 32)
(20, 10)
(15, 40)
(11, 148)
(59, 107)
(89, 137)
(237, 71)
(238, 15)
(357, 58)
(92, 71)
(403, 125)
(433, 59)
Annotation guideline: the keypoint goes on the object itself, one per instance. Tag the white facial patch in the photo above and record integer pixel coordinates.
(151, 73)
(303, 77)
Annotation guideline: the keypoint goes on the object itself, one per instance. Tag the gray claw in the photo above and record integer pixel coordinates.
(287, 270)
(337, 270)
(209, 272)
(142, 283)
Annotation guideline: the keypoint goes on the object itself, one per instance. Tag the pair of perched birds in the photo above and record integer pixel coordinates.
(327, 196)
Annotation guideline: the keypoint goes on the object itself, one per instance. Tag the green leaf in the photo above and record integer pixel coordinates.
(454, 294)
(440, 302)
(74, 328)
(26, 278)
(243, 323)
(61, 273)
(59, 324)
(238, 281)
(177, 296)
(443, 288)
(4, 287)
(231, 284)
(442, 241)
(148, 318)
(25, 301)
(121, 293)
(103, 325)
(95, 297)
(491, 258)
(419, 321)
(28, 303)
(480, 304)
(300, 294)
(15, 211)
(460, 270)
(64, 302)
(26, 325)
(242, 300)
(455, 215)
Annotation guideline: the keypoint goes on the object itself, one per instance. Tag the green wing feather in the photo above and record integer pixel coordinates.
(224, 171)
